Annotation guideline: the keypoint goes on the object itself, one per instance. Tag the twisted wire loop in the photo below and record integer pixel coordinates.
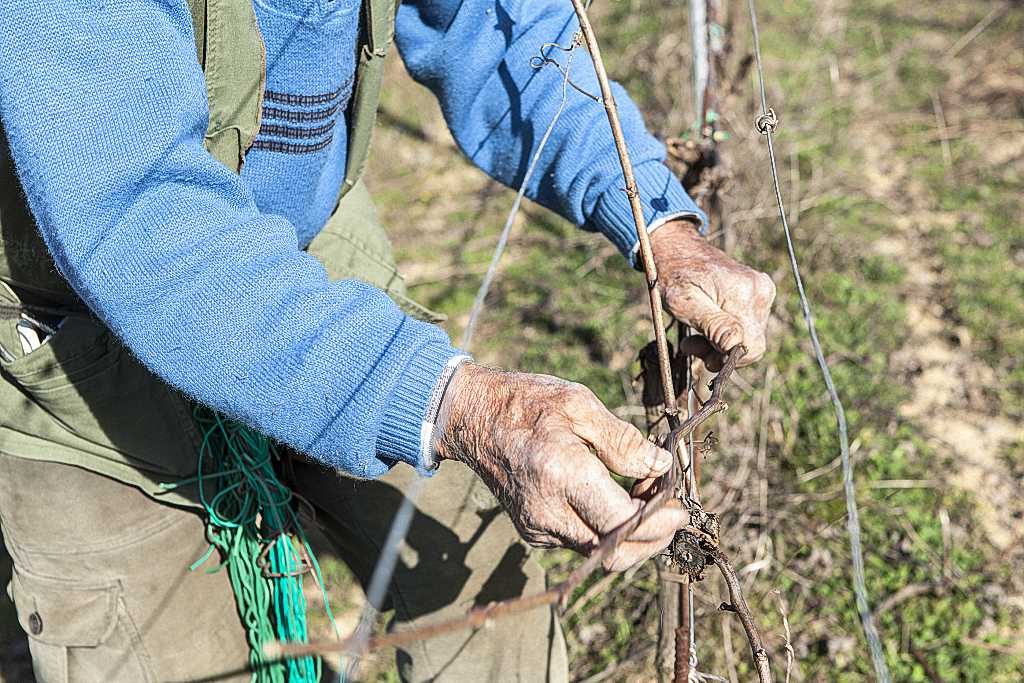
(541, 60)
(694, 676)
(766, 124)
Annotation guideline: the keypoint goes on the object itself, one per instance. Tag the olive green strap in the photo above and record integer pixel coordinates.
(235, 70)
(198, 10)
(378, 32)
(234, 59)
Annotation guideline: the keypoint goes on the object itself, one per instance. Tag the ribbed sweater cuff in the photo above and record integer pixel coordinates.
(661, 195)
(400, 434)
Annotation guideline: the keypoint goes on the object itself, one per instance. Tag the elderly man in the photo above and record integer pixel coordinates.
(183, 222)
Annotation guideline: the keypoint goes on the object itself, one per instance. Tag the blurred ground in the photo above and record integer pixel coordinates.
(902, 151)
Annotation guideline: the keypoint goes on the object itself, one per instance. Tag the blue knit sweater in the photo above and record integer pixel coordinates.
(202, 273)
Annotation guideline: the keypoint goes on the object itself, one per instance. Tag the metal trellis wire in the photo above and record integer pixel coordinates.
(767, 122)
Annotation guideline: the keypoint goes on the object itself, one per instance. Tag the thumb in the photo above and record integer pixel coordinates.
(619, 445)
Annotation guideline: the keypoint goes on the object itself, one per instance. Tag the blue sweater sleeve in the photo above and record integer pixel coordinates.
(476, 57)
(104, 107)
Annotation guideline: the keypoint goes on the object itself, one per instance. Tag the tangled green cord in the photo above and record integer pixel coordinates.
(252, 523)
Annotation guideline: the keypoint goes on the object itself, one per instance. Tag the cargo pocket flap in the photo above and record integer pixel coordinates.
(70, 614)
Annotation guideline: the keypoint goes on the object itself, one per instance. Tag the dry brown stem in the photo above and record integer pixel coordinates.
(737, 603)
(714, 405)
(790, 652)
(646, 253)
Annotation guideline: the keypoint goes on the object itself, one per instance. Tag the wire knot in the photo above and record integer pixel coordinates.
(767, 123)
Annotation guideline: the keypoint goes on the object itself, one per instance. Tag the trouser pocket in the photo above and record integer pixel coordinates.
(83, 399)
(78, 631)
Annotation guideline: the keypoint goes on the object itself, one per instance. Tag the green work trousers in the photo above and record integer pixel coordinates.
(103, 590)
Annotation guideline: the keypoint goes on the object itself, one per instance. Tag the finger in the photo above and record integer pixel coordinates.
(653, 536)
(600, 502)
(619, 445)
(754, 341)
(663, 524)
(629, 554)
(694, 307)
(754, 315)
(699, 346)
(645, 489)
(552, 522)
(567, 531)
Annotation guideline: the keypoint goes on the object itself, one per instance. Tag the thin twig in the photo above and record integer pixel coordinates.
(591, 593)
(907, 592)
(646, 252)
(715, 403)
(738, 603)
(940, 119)
(790, 653)
(929, 670)
(668, 609)
(1017, 651)
(976, 31)
(730, 656)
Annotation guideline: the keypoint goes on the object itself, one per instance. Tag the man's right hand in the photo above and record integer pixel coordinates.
(545, 446)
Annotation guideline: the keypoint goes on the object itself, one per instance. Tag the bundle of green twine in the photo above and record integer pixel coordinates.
(252, 524)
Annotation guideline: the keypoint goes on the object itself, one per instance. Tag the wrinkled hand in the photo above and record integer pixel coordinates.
(725, 301)
(544, 447)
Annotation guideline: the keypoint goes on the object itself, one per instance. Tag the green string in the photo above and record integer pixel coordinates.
(261, 543)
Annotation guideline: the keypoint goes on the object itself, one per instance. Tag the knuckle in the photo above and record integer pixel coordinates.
(549, 467)
(580, 398)
(618, 438)
(724, 330)
(764, 290)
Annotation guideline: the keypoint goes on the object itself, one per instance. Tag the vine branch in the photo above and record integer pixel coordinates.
(737, 603)
(646, 252)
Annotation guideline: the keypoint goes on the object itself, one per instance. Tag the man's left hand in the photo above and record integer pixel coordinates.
(722, 299)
